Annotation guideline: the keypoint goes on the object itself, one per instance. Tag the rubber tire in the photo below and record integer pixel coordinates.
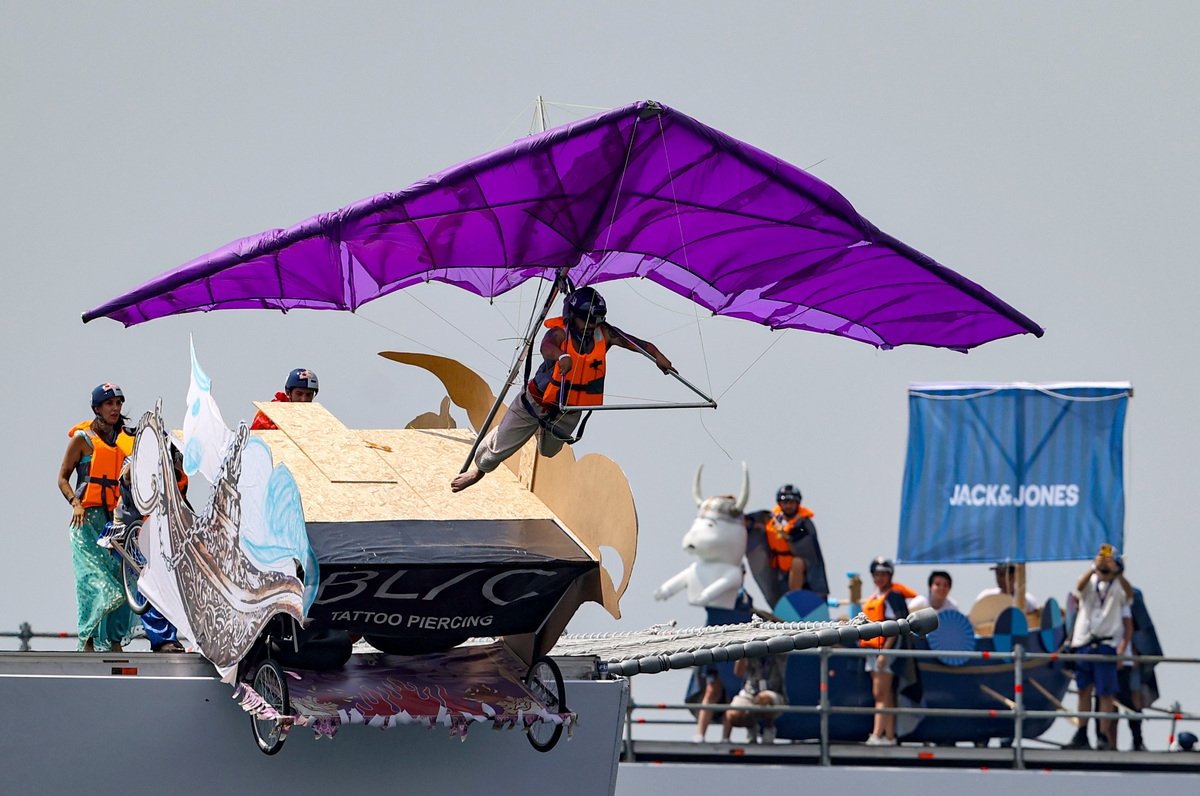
(320, 650)
(129, 576)
(411, 645)
(542, 675)
(270, 683)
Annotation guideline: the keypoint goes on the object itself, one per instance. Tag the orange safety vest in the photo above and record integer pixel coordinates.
(586, 378)
(779, 535)
(876, 610)
(97, 482)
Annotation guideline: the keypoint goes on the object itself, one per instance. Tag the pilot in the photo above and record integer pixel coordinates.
(574, 352)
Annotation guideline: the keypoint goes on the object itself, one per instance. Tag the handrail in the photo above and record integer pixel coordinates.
(25, 633)
(1014, 708)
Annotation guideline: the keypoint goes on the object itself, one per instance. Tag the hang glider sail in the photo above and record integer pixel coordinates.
(641, 190)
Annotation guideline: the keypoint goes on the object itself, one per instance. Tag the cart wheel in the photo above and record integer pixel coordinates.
(271, 684)
(544, 680)
(130, 573)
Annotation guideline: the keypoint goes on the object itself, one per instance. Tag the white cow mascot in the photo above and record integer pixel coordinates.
(717, 539)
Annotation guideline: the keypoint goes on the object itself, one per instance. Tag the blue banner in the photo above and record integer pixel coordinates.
(1013, 472)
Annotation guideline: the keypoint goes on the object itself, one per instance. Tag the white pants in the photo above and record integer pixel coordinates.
(516, 429)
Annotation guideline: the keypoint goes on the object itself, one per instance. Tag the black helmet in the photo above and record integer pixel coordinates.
(302, 378)
(105, 391)
(585, 303)
(884, 564)
(787, 492)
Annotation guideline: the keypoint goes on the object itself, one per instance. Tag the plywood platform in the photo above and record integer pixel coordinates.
(349, 475)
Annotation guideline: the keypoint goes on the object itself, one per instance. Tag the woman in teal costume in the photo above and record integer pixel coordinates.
(95, 453)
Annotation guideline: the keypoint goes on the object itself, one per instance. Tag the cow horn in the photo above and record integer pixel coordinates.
(696, 493)
(744, 497)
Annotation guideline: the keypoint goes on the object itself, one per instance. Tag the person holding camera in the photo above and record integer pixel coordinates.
(1105, 597)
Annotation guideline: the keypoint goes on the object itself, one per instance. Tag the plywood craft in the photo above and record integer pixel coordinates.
(330, 445)
(419, 466)
(379, 474)
(591, 496)
(425, 460)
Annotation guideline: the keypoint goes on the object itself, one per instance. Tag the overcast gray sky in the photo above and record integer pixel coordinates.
(1046, 151)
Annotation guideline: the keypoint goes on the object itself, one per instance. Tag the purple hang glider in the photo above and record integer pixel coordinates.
(641, 190)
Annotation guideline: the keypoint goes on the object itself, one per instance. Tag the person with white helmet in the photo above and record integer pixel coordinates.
(95, 455)
(574, 351)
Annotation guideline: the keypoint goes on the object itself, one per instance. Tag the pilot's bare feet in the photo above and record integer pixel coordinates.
(465, 480)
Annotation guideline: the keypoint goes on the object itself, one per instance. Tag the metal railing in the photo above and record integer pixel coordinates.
(25, 634)
(1014, 707)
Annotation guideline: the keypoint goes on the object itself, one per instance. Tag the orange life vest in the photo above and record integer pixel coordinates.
(586, 377)
(875, 609)
(97, 480)
(779, 535)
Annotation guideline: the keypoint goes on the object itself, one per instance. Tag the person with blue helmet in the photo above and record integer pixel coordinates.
(95, 455)
(301, 386)
(1185, 742)
(574, 361)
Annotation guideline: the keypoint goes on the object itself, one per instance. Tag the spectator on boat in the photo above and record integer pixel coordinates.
(95, 455)
(1103, 621)
(1185, 742)
(1006, 583)
(888, 602)
(574, 351)
(1137, 687)
(793, 549)
(763, 686)
(939, 598)
(713, 694)
(301, 387)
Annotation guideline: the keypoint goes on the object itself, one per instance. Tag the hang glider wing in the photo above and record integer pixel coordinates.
(641, 190)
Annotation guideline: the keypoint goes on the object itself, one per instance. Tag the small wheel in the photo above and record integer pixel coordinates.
(131, 569)
(545, 681)
(270, 683)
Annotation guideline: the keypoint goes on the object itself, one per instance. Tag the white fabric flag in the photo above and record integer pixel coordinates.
(205, 435)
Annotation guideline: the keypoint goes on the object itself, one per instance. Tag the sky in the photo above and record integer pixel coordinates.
(1045, 151)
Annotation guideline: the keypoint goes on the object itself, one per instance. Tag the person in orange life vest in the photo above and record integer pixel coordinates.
(301, 387)
(574, 354)
(795, 553)
(888, 602)
(95, 454)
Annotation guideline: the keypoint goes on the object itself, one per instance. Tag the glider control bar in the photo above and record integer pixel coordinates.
(707, 403)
